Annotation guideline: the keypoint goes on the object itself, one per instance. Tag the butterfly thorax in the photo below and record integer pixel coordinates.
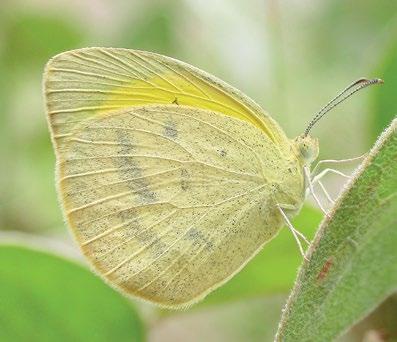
(305, 150)
(290, 188)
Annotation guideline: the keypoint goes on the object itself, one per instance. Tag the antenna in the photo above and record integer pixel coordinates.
(342, 96)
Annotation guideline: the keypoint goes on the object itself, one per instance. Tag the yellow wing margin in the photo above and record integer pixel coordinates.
(83, 83)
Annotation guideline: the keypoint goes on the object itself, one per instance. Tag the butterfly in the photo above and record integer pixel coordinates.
(170, 179)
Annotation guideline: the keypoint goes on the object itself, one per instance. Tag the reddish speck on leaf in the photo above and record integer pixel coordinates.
(325, 269)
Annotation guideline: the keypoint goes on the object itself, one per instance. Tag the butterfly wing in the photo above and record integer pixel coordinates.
(165, 205)
(83, 83)
(167, 201)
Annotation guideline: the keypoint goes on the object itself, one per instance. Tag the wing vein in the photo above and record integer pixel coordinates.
(99, 66)
(137, 235)
(185, 78)
(147, 132)
(106, 185)
(85, 73)
(210, 125)
(187, 230)
(198, 252)
(151, 69)
(120, 60)
(121, 225)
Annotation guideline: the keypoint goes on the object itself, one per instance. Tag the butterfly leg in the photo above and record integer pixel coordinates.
(329, 198)
(294, 231)
(336, 161)
(317, 178)
(311, 189)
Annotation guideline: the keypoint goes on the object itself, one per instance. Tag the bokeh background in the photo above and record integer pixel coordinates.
(290, 56)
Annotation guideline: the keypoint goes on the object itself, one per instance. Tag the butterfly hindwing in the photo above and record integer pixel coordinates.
(167, 202)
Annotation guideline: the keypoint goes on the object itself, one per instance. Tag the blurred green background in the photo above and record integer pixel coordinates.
(290, 56)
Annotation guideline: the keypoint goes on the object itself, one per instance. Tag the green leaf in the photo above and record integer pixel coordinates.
(46, 298)
(379, 326)
(353, 258)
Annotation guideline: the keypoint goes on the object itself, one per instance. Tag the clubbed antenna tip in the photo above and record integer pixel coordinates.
(342, 96)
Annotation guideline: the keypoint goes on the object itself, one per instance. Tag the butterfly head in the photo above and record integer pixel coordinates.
(307, 148)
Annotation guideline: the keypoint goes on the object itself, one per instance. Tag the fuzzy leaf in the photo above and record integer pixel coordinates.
(353, 259)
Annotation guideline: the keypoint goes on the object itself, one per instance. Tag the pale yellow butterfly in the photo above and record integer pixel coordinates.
(170, 179)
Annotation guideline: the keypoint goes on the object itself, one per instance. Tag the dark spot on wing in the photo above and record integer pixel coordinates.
(133, 227)
(160, 247)
(184, 179)
(170, 130)
(198, 238)
(152, 241)
(222, 152)
(132, 172)
(175, 101)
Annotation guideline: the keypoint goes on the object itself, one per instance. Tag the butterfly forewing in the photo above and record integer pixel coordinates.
(85, 82)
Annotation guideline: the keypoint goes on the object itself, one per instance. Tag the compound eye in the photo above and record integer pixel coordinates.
(305, 150)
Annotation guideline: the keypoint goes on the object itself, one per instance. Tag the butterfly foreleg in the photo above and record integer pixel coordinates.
(329, 198)
(335, 161)
(282, 208)
(316, 177)
(311, 189)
